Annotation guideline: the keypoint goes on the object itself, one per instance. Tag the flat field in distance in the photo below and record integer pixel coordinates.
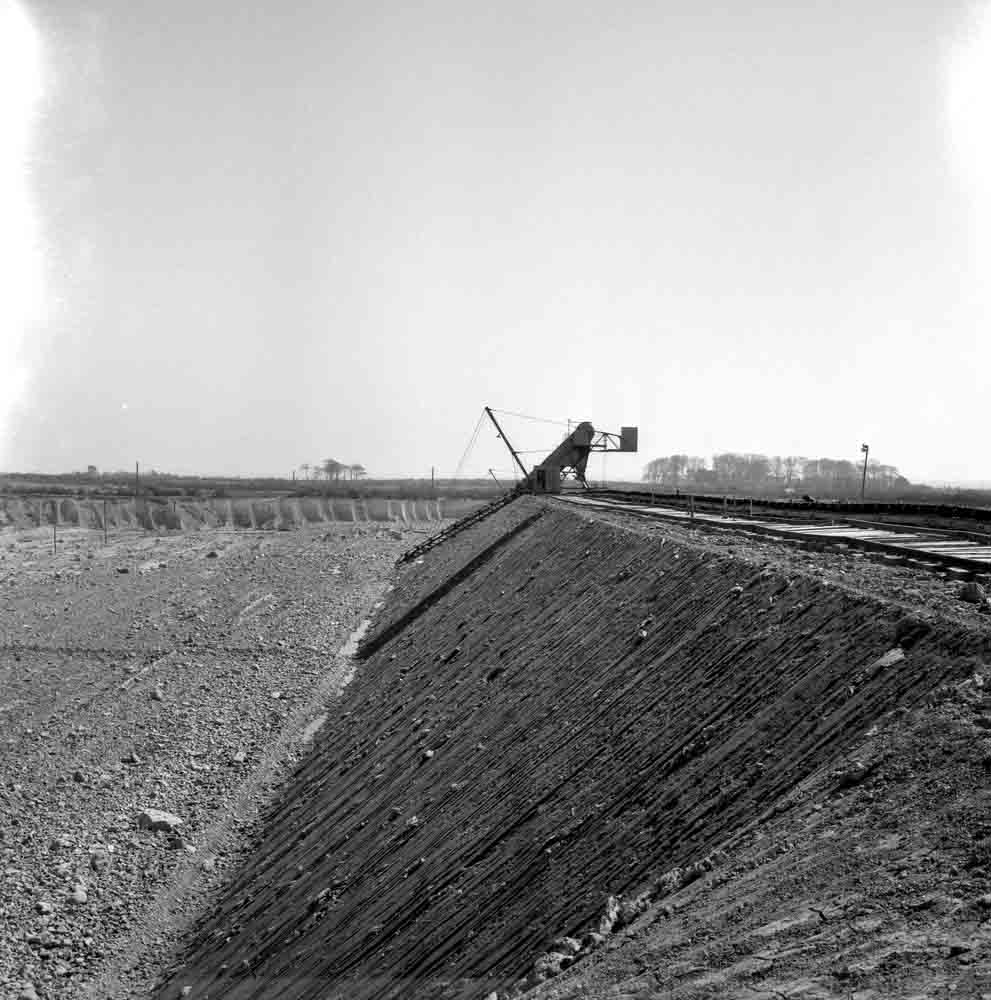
(161, 485)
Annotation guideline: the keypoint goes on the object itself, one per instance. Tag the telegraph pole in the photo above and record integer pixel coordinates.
(863, 479)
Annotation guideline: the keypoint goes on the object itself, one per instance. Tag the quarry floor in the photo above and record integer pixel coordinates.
(178, 671)
(577, 755)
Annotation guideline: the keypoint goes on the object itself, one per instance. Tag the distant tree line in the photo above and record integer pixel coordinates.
(762, 472)
(332, 470)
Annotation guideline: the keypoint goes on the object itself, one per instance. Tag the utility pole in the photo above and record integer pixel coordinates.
(104, 520)
(863, 479)
(54, 528)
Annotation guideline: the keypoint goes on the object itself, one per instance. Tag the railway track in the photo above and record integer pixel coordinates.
(928, 548)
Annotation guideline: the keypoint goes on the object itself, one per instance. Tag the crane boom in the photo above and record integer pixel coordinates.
(570, 457)
(512, 450)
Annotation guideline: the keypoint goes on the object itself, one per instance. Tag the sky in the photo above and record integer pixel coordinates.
(246, 236)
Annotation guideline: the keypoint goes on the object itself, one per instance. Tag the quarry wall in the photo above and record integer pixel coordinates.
(283, 513)
(551, 710)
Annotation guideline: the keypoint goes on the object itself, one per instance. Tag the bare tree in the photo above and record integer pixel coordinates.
(794, 465)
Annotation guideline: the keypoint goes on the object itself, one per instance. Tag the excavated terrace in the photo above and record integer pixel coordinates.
(184, 514)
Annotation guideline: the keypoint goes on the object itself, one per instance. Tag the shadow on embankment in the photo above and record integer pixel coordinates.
(552, 710)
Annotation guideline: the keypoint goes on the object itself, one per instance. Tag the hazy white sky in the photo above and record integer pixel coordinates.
(253, 234)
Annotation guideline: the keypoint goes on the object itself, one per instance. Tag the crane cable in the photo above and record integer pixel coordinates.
(471, 443)
(539, 420)
(510, 413)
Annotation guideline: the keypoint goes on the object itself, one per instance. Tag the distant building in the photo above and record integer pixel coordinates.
(92, 471)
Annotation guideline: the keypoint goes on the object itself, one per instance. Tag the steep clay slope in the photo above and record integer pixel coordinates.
(870, 880)
(553, 710)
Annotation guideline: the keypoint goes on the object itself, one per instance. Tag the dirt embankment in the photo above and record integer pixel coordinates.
(561, 729)
(277, 514)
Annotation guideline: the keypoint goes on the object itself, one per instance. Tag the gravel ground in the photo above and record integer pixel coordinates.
(184, 673)
(927, 594)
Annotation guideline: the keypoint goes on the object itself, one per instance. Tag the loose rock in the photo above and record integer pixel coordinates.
(972, 592)
(158, 820)
(567, 945)
(609, 916)
(853, 775)
(550, 964)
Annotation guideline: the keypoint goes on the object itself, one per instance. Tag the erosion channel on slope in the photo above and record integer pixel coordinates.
(585, 756)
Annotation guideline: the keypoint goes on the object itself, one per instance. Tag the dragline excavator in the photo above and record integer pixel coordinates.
(569, 458)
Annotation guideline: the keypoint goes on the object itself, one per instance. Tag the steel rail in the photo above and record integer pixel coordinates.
(928, 549)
